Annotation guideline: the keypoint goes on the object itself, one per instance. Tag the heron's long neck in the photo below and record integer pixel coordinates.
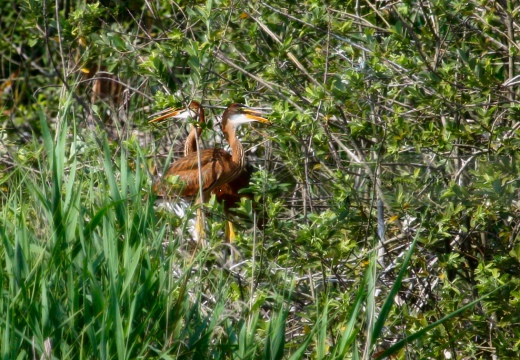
(190, 145)
(237, 152)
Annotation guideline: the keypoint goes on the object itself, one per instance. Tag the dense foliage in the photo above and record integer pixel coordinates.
(385, 189)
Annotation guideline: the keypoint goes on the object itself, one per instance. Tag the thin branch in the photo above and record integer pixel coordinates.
(148, 97)
(289, 54)
(267, 84)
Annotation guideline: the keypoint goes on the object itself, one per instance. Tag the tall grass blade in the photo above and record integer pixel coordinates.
(352, 326)
(321, 347)
(112, 184)
(275, 340)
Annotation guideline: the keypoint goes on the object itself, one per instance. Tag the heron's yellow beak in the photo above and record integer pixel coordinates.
(165, 114)
(255, 115)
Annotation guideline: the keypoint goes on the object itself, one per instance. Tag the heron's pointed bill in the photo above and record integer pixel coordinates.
(255, 115)
(176, 113)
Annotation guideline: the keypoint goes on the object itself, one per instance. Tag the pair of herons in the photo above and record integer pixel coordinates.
(209, 171)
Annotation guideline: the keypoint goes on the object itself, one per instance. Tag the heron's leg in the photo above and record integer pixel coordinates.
(230, 232)
(199, 224)
(230, 254)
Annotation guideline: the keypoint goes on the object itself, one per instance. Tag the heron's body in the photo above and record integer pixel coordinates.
(214, 164)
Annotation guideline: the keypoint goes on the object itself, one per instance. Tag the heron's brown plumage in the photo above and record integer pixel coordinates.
(214, 163)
